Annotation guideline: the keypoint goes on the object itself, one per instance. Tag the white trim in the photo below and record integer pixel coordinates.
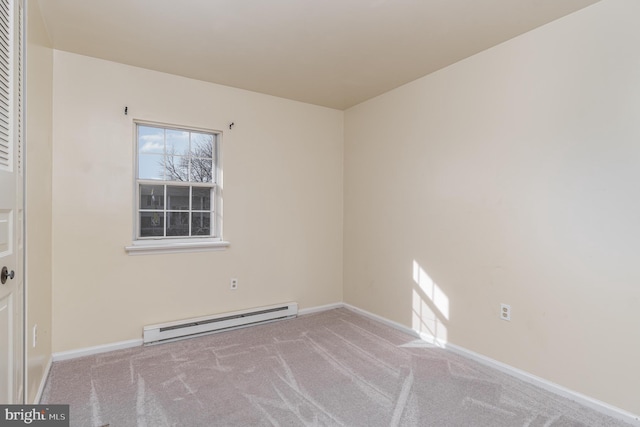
(547, 385)
(320, 308)
(428, 338)
(43, 382)
(552, 387)
(215, 185)
(90, 351)
(165, 247)
(384, 320)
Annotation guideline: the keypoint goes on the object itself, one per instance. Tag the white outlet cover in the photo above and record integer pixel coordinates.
(505, 312)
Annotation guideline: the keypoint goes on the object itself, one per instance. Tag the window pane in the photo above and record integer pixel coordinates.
(177, 142)
(177, 168)
(151, 224)
(178, 198)
(201, 199)
(177, 223)
(201, 224)
(150, 140)
(202, 145)
(152, 197)
(169, 162)
(150, 166)
(201, 170)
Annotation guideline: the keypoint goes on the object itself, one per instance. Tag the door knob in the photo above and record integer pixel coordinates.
(6, 274)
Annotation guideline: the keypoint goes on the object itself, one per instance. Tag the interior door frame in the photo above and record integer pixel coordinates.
(22, 182)
(23, 8)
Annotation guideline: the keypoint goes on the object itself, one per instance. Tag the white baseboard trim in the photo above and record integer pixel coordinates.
(552, 387)
(384, 320)
(43, 382)
(89, 351)
(319, 308)
(585, 400)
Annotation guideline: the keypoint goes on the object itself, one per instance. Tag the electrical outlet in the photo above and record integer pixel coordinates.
(505, 312)
(234, 283)
(35, 336)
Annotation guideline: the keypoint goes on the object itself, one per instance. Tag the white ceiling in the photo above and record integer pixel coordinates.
(335, 53)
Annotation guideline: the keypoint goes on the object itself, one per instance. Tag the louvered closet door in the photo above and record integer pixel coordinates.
(11, 289)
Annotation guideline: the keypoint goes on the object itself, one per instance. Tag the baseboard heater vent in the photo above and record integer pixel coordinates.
(216, 323)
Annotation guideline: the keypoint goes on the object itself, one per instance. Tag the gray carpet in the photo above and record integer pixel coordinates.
(335, 368)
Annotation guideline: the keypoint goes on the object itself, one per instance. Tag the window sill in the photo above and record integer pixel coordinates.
(148, 248)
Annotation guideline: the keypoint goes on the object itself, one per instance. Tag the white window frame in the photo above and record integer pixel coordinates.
(142, 245)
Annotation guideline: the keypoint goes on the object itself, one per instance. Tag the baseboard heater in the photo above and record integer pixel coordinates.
(218, 322)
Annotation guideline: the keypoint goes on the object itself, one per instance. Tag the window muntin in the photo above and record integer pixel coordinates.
(177, 170)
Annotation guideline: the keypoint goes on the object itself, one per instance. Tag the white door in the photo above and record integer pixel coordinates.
(10, 292)
(11, 259)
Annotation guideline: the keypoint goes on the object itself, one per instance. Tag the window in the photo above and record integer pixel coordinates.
(177, 187)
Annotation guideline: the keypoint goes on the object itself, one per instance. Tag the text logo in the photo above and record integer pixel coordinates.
(34, 415)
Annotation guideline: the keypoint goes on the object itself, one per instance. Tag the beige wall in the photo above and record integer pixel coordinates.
(282, 203)
(39, 84)
(510, 177)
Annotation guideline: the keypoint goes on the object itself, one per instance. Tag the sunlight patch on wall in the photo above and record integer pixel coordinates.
(430, 306)
(431, 289)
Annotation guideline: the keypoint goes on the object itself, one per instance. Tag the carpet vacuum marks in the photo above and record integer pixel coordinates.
(333, 368)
